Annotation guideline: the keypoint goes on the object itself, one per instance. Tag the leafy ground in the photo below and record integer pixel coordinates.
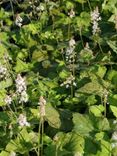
(58, 77)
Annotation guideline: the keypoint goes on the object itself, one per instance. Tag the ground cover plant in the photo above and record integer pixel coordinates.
(58, 78)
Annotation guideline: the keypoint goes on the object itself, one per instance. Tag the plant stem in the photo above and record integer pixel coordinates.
(89, 5)
(39, 133)
(12, 9)
(81, 37)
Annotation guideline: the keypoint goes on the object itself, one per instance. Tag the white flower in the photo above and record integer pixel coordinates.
(8, 100)
(20, 84)
(114, 144)
(24, 97)
(95, 27)
(69, 51)
(22, 121)
(115, 122)
(3, 71)
(69, 54)
(42, 103)
(72, 43)
(74, 84)
(70, 80)
(114, 136)
(71, 13)
(18, 20)
(12, 153)
(21, 88)
(95, 17)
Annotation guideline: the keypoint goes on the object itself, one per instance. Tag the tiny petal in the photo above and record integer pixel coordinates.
(8, 100)
(22, 121)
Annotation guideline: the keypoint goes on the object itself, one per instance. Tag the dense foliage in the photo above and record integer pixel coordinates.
(58, 77)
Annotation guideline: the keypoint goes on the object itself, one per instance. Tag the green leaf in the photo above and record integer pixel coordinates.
(114, 110)
(39, 56)
(81, 1)
(21, 66)
(82, 124)
(91, 100)
(75, 143)
(105, 148)
(100, 70)
(59, 119)
(91, 88)
(5, 84)
(112, 42)
(63, 74)
(112, 99)
(3, 153)
(11, 146)
(103, 124)
(2, 97)
(112, 76)
(97, 110)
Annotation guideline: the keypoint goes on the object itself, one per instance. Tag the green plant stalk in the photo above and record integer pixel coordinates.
(40, 139)
(81, 37)
(56, 152)
(42, 136)
(89, 5)
(69, 28)
(73, 72)
(12, 9)
(105, 101)
(39, 133)
(100, 48)
(12, 112)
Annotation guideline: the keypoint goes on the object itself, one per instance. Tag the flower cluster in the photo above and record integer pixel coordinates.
(22, 121)
(95, 18)
(70, 80)
(71, 13)
(8, 100)
(18, 20)
(105, 96)
(36, 6)
(3, 72)
(69, 54)
(21, 88)
(42, 103)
